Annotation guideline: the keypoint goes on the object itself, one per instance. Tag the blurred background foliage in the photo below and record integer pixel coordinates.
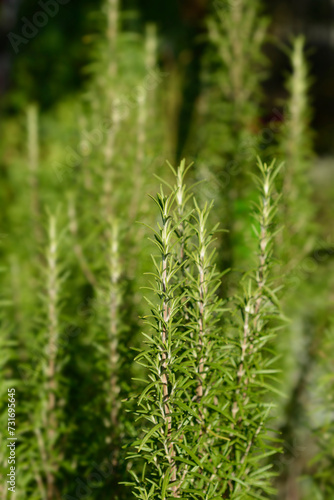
(52, 66)
(56, 89)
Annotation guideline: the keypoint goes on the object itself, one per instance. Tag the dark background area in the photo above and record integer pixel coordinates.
(51, 65)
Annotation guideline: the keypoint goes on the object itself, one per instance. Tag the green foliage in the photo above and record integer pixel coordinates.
(200, 404)
(321, 464)
(208, 377)
(229, 118)
(295, 146)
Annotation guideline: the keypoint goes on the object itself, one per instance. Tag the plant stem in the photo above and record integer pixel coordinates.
(33, 161)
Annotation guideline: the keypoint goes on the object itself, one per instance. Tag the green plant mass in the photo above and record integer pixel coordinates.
(166, 307)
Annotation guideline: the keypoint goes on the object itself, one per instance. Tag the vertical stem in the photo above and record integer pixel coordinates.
(33, 160)
(253, 309)
(251, 327)
(296, 146)
(151, 49)
(109, 148)
(114, 270)
(144, 109)
(201, 306)
(45, 461)
(109, 154)
(16, 289)
(236, 69)
(112, 29)
(164, 336)
(53, 296)
(140, 154)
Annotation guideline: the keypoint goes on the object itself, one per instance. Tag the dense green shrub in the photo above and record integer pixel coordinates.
(176, 345)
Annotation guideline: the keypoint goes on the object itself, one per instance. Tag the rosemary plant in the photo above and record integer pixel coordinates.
(208, 394)
(44, 413)
(168, 378)
(295, 242)
(208, 415)
(297, 150)
(252, 393)
(232, 105)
